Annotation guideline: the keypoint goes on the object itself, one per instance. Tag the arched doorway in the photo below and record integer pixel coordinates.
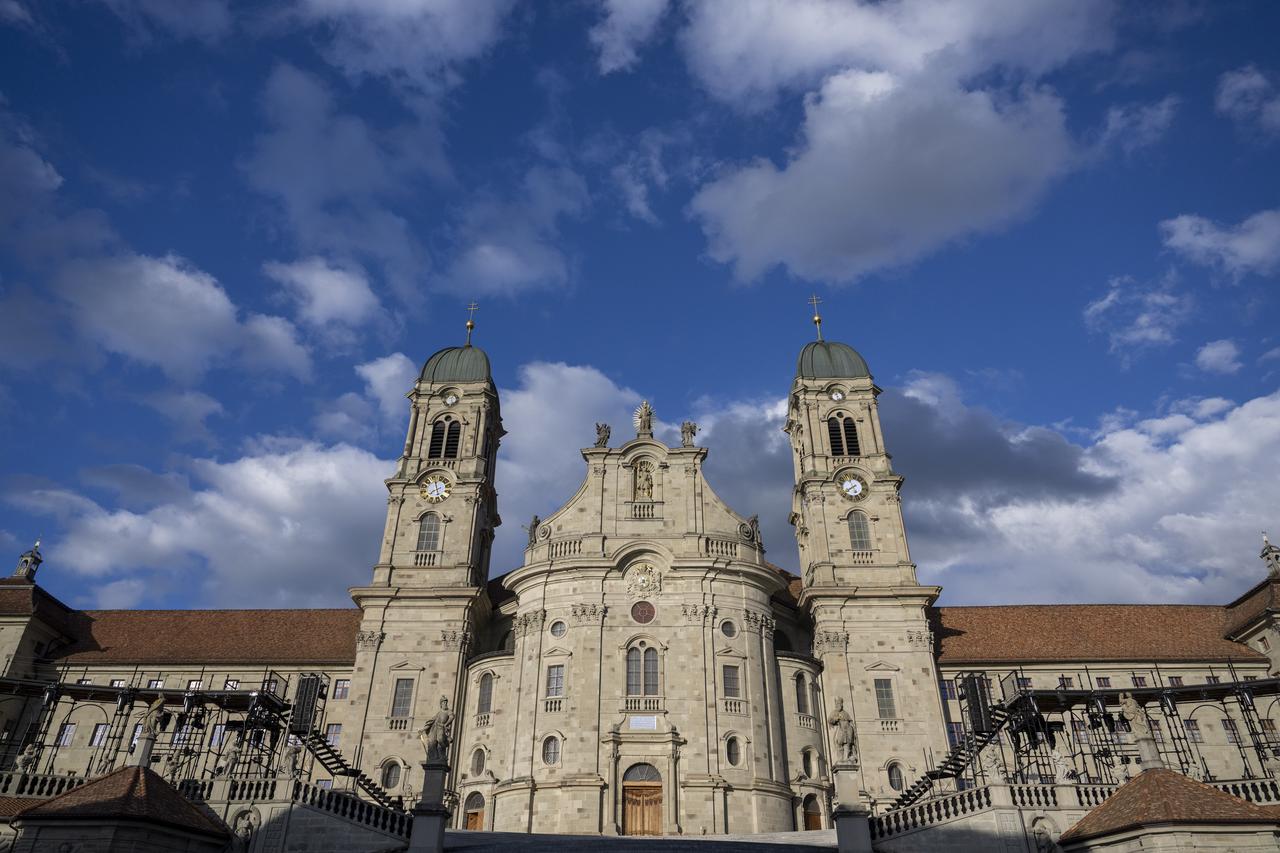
(642, 800)
(473, 811)
(812, 813)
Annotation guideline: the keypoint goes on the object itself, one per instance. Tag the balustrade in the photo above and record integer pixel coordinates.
(642, 703)
(735, 706)
(424, 559)
(553, 704)
(807, 721)
(565, 548)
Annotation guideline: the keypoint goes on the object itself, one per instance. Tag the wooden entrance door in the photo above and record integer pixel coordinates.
(812, 813)
(642, 809)
(475, 820)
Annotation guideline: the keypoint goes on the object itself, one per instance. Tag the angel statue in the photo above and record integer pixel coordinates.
(688, 430)
(437, 732)
(602, 435)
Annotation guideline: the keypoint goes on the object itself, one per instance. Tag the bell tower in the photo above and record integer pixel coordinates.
(870, 614)
(420, 611)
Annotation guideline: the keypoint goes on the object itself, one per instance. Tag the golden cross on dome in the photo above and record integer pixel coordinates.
(817, 318)
(471, 323)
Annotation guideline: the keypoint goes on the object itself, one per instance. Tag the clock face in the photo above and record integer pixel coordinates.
(435, 489)
(451, 399)
(853, 488)
(837, 396)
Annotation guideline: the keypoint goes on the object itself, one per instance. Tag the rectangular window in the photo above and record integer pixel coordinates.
(555, 679)
(84, 681)
(948, 688)
(884, 699)
(402, 698)
(231, 684)
(1079, 731)
(99, 736)
(1175, 681)
(117, 682)
(955, 733)
(731, 687)
(1156, 731)
(1212, 679)
(133, 739)
(182, 736)
(1024, 683)
(1066, 682)
(217, 736)
(66, 734)
(324, 784)
(195, 684)
(1139, 681)
(155, 684)
(1193, 732)
(333, 734)
(1233, 734)
(269, 686)
(1104, 681)
(341, 688)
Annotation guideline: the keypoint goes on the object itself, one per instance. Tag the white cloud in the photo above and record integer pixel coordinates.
(1219, 357)
(339, 180)
(188, 410)
(744, 51)
(854, 196)
(288, 524)
(510, 244)
(166, 313)
(123, 594)
(418, 43)
(1136, 316)
(387, 380)
(332, 298)
(1247, 95)
(13, 12)
(1136, 126)
(627, 25)
(1253, 246)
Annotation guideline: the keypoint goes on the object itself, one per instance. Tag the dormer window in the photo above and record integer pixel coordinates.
(843, 432)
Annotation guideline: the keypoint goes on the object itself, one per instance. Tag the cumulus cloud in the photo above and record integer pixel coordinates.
(506, 244)
(745, 51)
(387, 380)
(627, 24)
(852, 197)
(167, 314)
(1136, 316)
(333, 299)
(1249, 97)
(288, 524)
(420, 44)
(1219, 357)
(339, 181)
(1252, 246)
(1133, 127)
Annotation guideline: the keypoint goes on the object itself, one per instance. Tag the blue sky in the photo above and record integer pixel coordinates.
(229, 235)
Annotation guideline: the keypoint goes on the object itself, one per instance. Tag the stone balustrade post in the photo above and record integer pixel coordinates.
(430, 817)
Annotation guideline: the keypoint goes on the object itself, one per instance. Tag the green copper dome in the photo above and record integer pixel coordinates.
(830, 360)
(457, 364)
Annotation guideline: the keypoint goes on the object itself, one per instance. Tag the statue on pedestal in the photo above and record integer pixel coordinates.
(846, 739)
(602, 435)
(688, 430)
(437, 733)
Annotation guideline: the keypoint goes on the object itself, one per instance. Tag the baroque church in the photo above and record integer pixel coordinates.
(645, 670)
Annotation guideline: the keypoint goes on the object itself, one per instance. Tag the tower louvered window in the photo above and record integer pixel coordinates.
(452, 440)
(435, 449)
(843, 433)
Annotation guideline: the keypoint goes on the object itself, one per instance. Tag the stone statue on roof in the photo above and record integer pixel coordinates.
(437, 733)
(602, 435)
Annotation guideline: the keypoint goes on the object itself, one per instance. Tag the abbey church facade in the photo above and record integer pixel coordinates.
(645, 670)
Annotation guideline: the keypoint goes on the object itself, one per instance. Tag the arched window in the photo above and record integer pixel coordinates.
(435, 449)
(802, 695)
(733, 751)
(429, 532)
(391, 775)
(895, 777)
(859, 531)
(642, 671)
(551, 751)
(807, 761)
(642, 773)
(452, 439)
(842, 430)
(477, 762)
(485, 703)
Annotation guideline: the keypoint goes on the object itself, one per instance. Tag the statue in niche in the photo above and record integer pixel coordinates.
(437, 732)
(602, 435)
(846, 741)
(644, 481)
(688, 430)
(643, 419)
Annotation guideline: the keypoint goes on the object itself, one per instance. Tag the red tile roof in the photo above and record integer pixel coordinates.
(1085, 632)
(10, 806)
(215, 636)
(1159, 796)
(130, 793)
